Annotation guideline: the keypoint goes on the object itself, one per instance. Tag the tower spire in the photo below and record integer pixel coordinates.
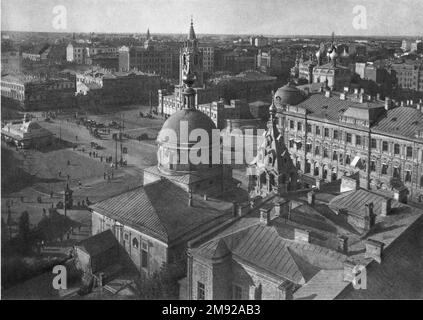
(191, 34)
(148, 34)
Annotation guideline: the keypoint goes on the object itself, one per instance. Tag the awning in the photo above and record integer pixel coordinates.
(355, 162)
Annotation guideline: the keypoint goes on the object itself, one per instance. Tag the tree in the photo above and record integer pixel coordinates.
(24, 229)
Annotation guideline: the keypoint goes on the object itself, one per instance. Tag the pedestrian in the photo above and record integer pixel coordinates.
(76, 138)
(101, 158)
(90, 154)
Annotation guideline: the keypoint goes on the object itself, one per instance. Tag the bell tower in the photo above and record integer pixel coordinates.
(191, 57)
(272, 171)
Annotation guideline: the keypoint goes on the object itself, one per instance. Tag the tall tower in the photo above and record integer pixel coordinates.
(272, 171)
(192, 56)
(148, 34)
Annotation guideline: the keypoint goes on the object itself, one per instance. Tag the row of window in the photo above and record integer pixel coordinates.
(348, 138)
(144, 250)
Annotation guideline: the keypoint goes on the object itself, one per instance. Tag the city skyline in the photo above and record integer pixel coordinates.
(234, 17)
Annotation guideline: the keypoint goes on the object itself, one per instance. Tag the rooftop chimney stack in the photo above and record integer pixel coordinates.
(301, 235)
(369, 218)
(387, 103)
(385, 207)
(311, 197)
(343, 243)
(374, 250)
(265, 216)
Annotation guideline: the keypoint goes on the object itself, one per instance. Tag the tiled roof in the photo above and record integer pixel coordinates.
(401, 121)
(161, 210)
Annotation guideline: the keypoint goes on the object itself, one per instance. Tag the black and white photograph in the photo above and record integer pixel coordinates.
(181, 150)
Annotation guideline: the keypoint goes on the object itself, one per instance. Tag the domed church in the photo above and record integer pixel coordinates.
(183, 196)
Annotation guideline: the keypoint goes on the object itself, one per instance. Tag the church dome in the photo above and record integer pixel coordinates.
(193, 119)
(288, 94)
(174, 138)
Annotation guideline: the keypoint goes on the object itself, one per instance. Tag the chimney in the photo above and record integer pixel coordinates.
(277, 209)
(343, 243)
(286, 290)
(234, 208)
(349, 272)
(190, 199)
(265, 216)
(385, 207)
(387, 103)
(374, 250)
(301, 235)
(369, 218)
(311, 197)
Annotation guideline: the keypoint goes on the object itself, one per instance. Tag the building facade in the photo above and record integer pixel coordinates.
(39, 94)
(330, 135)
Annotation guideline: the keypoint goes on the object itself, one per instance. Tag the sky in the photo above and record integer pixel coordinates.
(267, 17)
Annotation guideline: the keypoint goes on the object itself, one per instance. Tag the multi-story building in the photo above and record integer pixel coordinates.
(334, 75)
(118, 87)
(11, 61)
(276, 247)
(38, 94)
(150, 60)
(39, 53)
(76, 52)
(406, 45)
(330, 135)
(208, 58)
(238, 61)
(408, 75)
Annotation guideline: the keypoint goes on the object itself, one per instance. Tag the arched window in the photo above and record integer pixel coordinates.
(135, 243)
(396, 148)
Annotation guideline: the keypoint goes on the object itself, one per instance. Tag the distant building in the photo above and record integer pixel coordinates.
(238, 61)
(26, 134)
(406, 45)
(76, 52)
(417, 46)
(332, 74)
(408, 75)
(208, 59)
(39, 53)
(34, 93)
(11, 62)
(116, 88)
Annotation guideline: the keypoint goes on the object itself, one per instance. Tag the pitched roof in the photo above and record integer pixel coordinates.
(161, 210)
(401, 121)
(355, 201)
(98, 243)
